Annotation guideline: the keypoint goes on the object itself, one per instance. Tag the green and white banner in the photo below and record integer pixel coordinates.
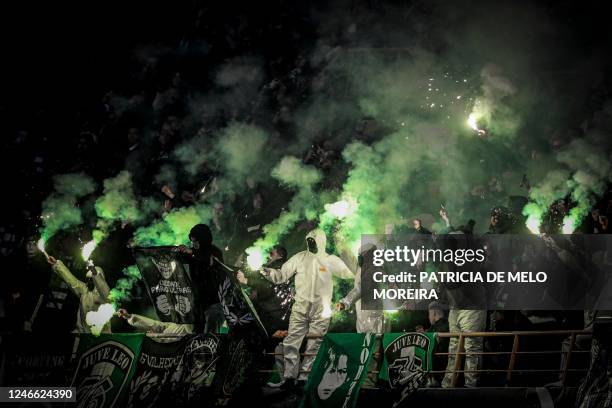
(104, 367)
(407, 359)
(339, 370)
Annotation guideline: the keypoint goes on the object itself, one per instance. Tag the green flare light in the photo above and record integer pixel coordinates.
(534, 215)
(255, 258)
(41, 245)
(88, 249)
(340, 209)
(533, 224)
(569, 225)
(472, 122)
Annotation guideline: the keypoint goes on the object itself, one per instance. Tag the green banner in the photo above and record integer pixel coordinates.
(407, 359)
(339, 370)
(104, 367)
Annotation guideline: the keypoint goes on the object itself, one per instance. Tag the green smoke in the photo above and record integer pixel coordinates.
(166, 176)
(237, 151)
(117, 204)
(60, 211)
(552, 188)
(583, 177)
(241, 147)
(292, 174)
(174, 227)
(489, 109)
(424, 153)
(123, 288)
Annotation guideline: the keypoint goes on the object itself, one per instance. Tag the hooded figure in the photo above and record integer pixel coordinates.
(201, 240)
(205, 278)
(311, 312)
(92, 293)
(368, 321)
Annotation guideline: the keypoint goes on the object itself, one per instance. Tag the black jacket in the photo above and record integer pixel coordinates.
(272, 302)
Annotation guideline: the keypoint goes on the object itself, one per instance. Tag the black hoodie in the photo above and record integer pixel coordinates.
(202, 273)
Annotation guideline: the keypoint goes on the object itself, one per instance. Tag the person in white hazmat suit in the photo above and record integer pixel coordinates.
(311, 313)
(368, 321)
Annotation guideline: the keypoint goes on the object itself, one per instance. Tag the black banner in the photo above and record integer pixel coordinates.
(157, 364)
(29, 360)
(237, 306)
(193, 378)
(167, 283)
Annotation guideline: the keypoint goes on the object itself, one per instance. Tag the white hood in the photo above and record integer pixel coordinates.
(319, 237)
(313, 272)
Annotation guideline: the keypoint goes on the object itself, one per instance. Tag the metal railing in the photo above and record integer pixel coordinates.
(513, 354)
(460, 353)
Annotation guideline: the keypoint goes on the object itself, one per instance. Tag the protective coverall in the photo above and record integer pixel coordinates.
(90, 296)
(311, 312)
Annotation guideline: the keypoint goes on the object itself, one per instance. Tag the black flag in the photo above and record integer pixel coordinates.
(237, 306)
(167, 283)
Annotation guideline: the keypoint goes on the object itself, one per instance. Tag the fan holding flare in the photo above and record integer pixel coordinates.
(93, 315)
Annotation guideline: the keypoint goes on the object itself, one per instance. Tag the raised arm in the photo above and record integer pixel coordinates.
(100, 283)
(147, 324)
(77, 286)
(283, 274)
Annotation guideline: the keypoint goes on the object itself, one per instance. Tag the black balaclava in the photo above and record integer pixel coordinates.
(89, 281)
(311, 244)
(90, 284)
(202, 234)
